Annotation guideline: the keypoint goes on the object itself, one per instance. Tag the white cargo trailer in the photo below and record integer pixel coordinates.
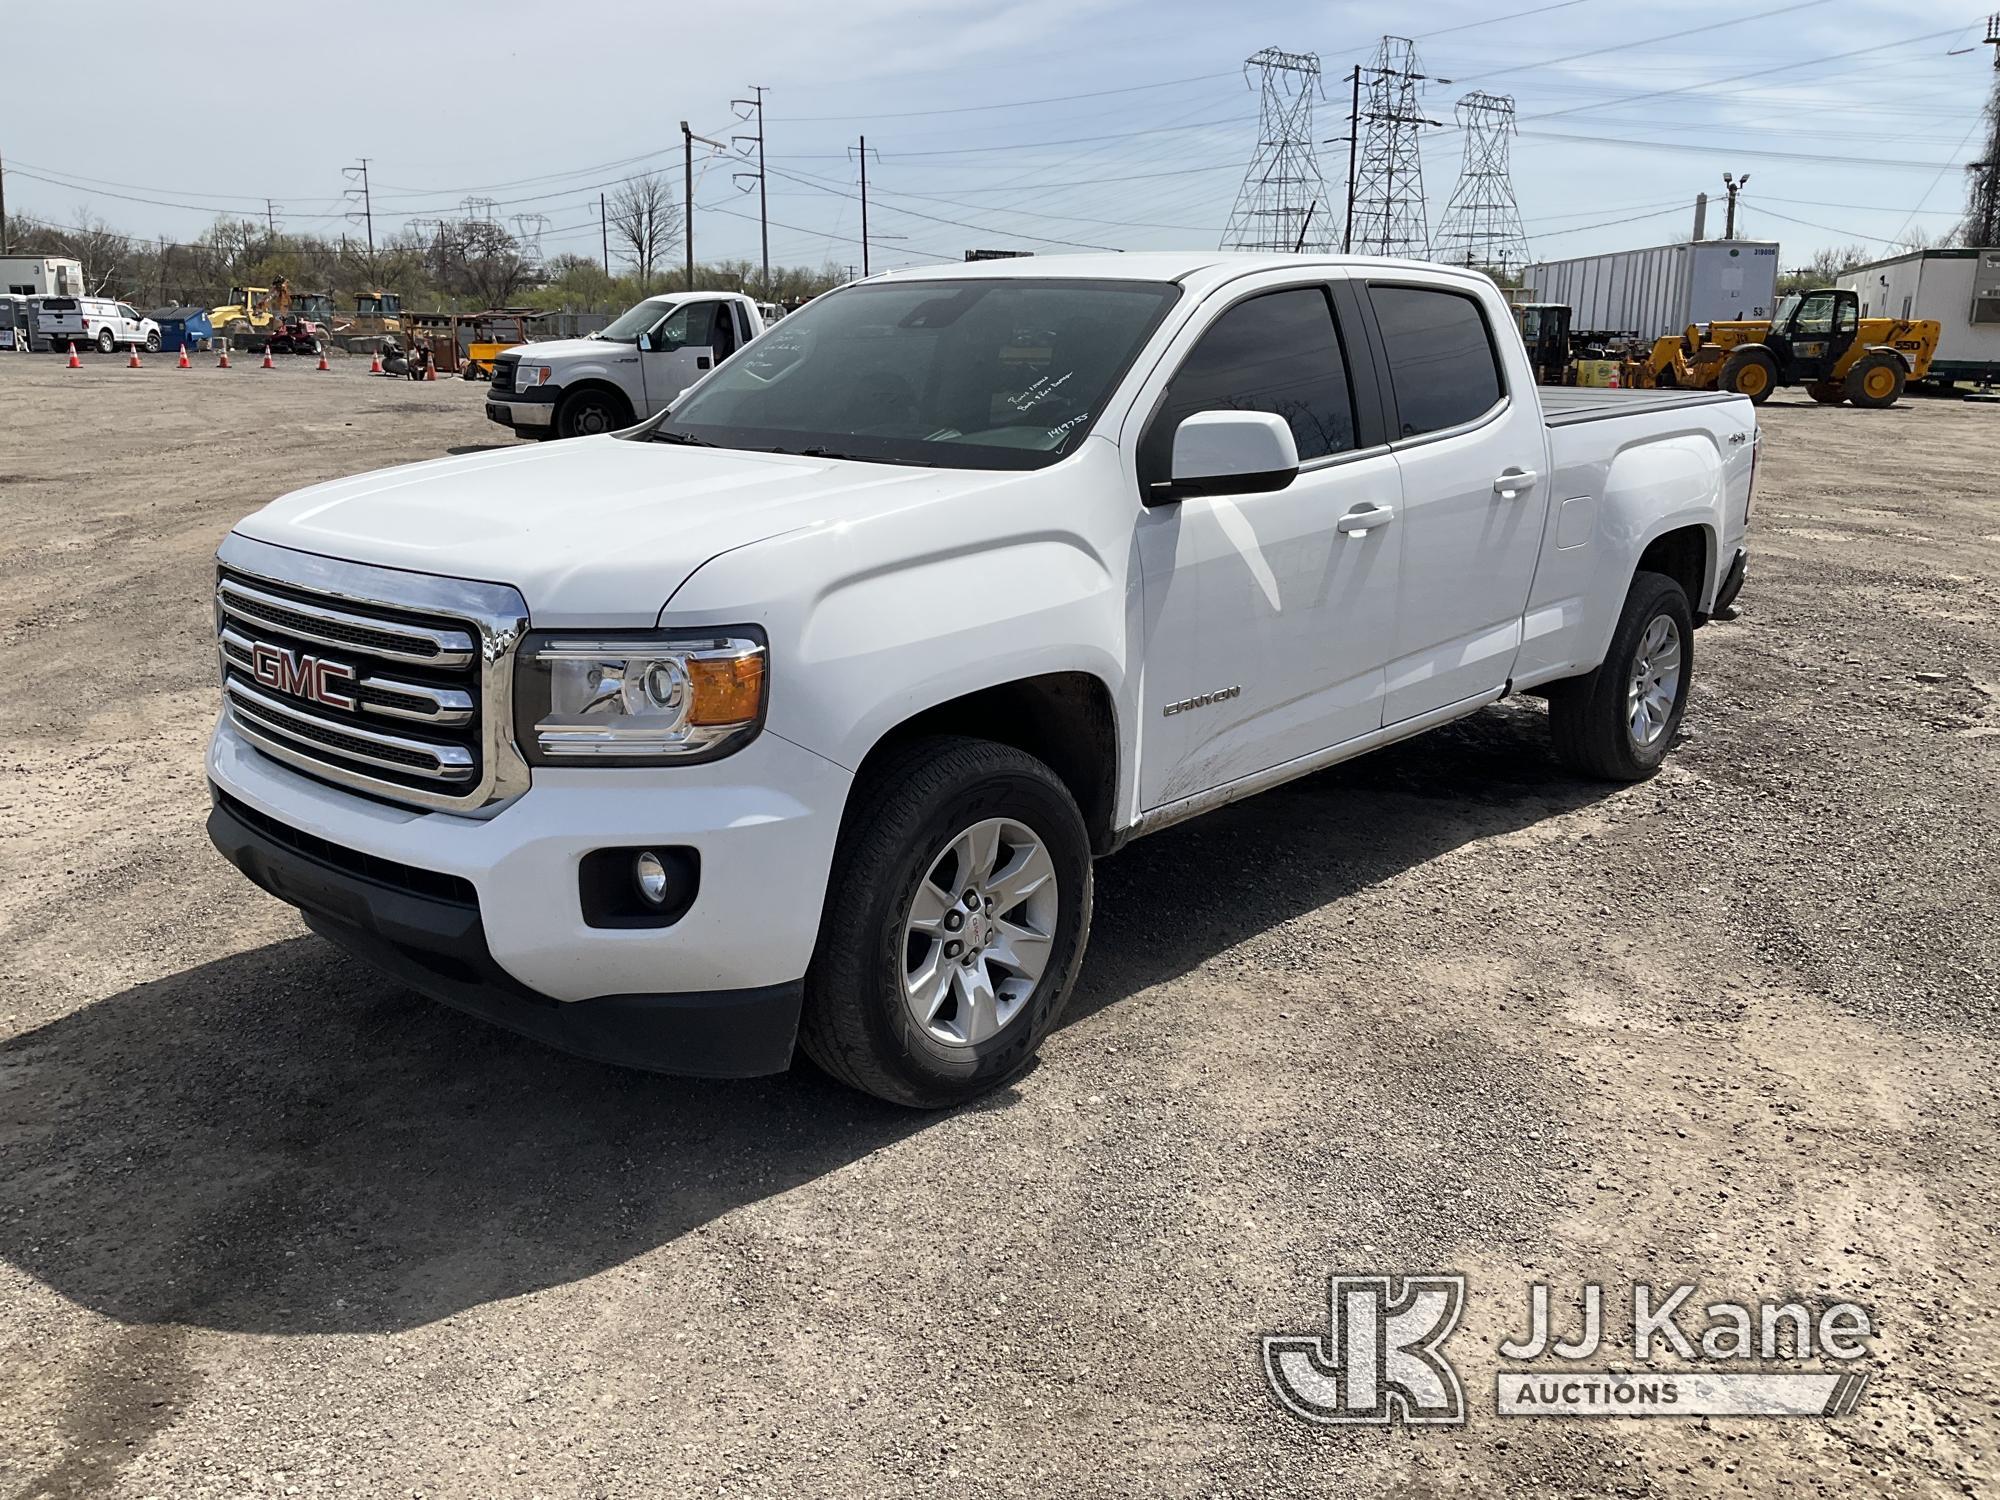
(1647, 293)
(41, 276)
(1959, 288)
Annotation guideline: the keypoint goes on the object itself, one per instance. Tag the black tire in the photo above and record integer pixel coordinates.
(592, 410)
(152, 343)
(1590, 716)
(106, 344)
(1750, 372)
(1826, 392)
(901, 819)
(1876, 381)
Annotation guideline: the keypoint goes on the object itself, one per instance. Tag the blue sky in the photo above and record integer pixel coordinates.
(996, 114)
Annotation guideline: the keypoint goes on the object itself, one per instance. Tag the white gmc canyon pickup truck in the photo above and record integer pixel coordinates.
(796, 715)
(631, 369)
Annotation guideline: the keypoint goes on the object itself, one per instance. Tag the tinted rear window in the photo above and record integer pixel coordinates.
(1441, 357)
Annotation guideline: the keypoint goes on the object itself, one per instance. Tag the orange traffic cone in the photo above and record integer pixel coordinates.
(430, 372)
(267, 358)
(74, 362)
(184, 357)
(223, 362)
(375, 364)
(322, 361)
(133, 363)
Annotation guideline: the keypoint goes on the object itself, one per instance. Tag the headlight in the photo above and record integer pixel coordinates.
(639, 698)
(530, 375)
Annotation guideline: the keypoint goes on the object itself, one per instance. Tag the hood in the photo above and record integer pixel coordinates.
(593, 531)
(546, 350)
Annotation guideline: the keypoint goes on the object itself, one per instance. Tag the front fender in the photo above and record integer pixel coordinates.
(874, 618)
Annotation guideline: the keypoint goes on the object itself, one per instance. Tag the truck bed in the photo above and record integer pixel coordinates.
(1565, 405)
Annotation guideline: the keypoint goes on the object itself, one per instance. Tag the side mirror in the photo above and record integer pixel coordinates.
(1230, 453)
(645, 343)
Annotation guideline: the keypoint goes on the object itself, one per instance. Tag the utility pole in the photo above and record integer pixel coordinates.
(862, 149)
(688, 138)
(1735, 185)
(1353, 153)
(763, 216)
(3, 207)
(604, 232)
(367, 206)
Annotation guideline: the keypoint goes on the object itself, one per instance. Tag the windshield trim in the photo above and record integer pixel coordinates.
(939, 455)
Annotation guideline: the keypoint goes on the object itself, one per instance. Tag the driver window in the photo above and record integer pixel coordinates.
(1846, 319)
(1815, 314)
(686, 327)
(723, 340)
(1278, 353)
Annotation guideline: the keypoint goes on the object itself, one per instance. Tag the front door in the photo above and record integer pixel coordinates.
(1820, 331)
(1474, 497)
(1267, 616)
(678, 351)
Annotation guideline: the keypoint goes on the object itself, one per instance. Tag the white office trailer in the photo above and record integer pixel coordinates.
(41, 276)
(1959, 288)
(1647, 293)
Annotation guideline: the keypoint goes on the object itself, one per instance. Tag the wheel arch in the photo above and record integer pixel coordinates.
(1686, 554)
(1068, 720)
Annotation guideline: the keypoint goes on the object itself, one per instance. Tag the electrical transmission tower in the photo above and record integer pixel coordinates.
(1282, 203)
(1481, 226)
(1982, 198)
(1385, 198)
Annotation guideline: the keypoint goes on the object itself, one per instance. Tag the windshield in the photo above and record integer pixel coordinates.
(628, 326)
(995, 374)
(1785, 310)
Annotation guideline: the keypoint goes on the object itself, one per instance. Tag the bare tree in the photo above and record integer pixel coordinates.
(644, 219)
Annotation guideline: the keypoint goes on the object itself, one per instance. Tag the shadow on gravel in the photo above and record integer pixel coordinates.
(281, 1142)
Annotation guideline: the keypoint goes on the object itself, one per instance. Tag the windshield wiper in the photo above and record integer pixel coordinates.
(859, 458)
(662, 435)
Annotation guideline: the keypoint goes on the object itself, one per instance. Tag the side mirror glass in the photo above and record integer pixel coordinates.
(645, 343)
(1231, 453)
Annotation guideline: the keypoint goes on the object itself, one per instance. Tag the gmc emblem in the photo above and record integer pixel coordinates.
(301, 676)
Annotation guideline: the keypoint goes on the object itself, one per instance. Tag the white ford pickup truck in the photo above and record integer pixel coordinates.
(633, 368)
(795, 717)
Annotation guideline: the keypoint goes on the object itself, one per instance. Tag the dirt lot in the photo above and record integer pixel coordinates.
(270, 1225)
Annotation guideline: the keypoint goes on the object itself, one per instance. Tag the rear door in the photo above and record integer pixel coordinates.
(678, 352)
(1470, 449)
(1268, 615)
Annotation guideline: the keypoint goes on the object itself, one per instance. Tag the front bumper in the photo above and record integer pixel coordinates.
(486, 913)
(517, 412)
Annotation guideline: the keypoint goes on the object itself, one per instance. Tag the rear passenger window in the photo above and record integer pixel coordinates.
(1277, 353)
(1441, 357)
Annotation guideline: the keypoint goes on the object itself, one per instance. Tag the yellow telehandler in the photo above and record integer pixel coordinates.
(1818, 340)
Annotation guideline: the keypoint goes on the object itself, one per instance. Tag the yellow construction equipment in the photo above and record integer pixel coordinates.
(251, 309)
(1818, 340)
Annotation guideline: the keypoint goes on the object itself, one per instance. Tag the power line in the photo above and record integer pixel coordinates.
(967, 109)
(1665, 36)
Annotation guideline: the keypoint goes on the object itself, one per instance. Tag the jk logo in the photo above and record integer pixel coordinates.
(1382, 1360)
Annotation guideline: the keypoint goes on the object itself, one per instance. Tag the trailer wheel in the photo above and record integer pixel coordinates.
(1826, 392)
(1875, 381)
(1750, 372)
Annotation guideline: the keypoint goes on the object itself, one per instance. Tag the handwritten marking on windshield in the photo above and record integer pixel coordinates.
(1039, 392)
(1062, 429)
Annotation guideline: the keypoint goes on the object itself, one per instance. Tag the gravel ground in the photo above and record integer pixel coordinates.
(270, 1225)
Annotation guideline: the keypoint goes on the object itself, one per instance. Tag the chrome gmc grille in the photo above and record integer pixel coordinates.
(392, 683)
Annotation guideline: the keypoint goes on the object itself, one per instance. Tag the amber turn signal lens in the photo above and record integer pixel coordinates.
(726, 692)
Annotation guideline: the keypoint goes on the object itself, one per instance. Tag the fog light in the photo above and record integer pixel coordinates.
(651, 876)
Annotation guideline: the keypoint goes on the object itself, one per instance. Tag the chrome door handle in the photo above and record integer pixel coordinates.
(1514, 483)
(1364, 519)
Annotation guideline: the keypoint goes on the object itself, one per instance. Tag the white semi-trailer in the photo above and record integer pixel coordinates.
(1960, 288)
(1648, 293)
(41, 276)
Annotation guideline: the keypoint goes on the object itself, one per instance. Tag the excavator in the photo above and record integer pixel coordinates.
(1817, 339)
